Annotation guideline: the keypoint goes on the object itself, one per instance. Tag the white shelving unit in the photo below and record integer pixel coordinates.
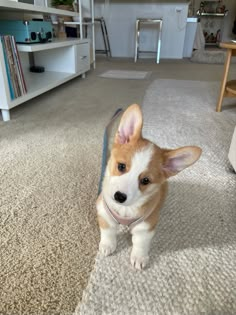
(63, 59)
(9, 5)
(81, 23)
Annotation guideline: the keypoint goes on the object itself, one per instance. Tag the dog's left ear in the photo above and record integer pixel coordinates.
(130, 128)
(175, 161)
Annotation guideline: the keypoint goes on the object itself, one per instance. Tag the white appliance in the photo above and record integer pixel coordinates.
(190, 33)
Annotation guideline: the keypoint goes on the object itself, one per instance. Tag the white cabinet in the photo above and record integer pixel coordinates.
(62, 59)
(232, 151)
(82, 53)
(191, 28)
(86, 12)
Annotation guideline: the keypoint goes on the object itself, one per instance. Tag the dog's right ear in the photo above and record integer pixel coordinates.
(174, 161)
(130, 128)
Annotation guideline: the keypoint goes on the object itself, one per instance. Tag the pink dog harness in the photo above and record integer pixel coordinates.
(130, 222)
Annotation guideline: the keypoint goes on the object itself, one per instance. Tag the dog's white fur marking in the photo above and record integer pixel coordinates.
(108, 241)
(128, 184)
(108, 236)
(141, 239)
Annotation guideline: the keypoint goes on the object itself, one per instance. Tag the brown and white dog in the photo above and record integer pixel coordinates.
(135, 185)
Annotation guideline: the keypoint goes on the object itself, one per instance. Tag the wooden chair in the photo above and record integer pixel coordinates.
(228, 88)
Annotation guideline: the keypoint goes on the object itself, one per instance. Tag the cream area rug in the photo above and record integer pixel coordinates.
(192, 268)
(123, 74)
(217, 56)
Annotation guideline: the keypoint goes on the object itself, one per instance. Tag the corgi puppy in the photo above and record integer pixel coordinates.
(135, 186)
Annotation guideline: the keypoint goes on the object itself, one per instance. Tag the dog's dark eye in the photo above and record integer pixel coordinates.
(144, 181)
(121, 167)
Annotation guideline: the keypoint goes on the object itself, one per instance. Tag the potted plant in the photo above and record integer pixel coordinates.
(63, 4)
(67, 5)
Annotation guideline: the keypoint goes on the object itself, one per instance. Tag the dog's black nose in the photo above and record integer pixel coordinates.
(120, 197)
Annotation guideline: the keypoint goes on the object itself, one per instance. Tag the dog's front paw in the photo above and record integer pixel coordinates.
(139, 262)
(107, 249)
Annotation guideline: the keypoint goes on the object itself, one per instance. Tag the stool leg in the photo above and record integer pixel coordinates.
(103, 34)
(137, 28)
(224, 80)
(86, 31)
(159, 42)
(107, 38)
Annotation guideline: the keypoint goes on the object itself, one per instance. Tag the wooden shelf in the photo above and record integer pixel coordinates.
(231, 87)
(19, 6)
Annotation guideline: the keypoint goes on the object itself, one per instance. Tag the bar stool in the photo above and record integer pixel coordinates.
(139, 22)
(107, 47)
(102, 23)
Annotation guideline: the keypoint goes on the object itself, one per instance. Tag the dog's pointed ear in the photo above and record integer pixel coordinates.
(130, 127)
(175, 161)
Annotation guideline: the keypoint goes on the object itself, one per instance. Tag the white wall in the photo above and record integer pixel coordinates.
(120, 17)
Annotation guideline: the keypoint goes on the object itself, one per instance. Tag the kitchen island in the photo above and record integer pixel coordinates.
(120, 17)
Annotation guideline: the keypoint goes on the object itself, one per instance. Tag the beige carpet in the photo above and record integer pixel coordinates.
(211, 56)
(50, 164)
(192, 268)
(46, 213)
(50, 155)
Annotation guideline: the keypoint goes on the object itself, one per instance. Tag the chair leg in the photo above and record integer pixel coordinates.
(107, 38)
(224, 80)
(137, 27)
(159, 42)
(103, 35)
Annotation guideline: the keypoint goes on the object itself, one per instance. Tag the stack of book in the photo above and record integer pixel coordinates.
(14, 71)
